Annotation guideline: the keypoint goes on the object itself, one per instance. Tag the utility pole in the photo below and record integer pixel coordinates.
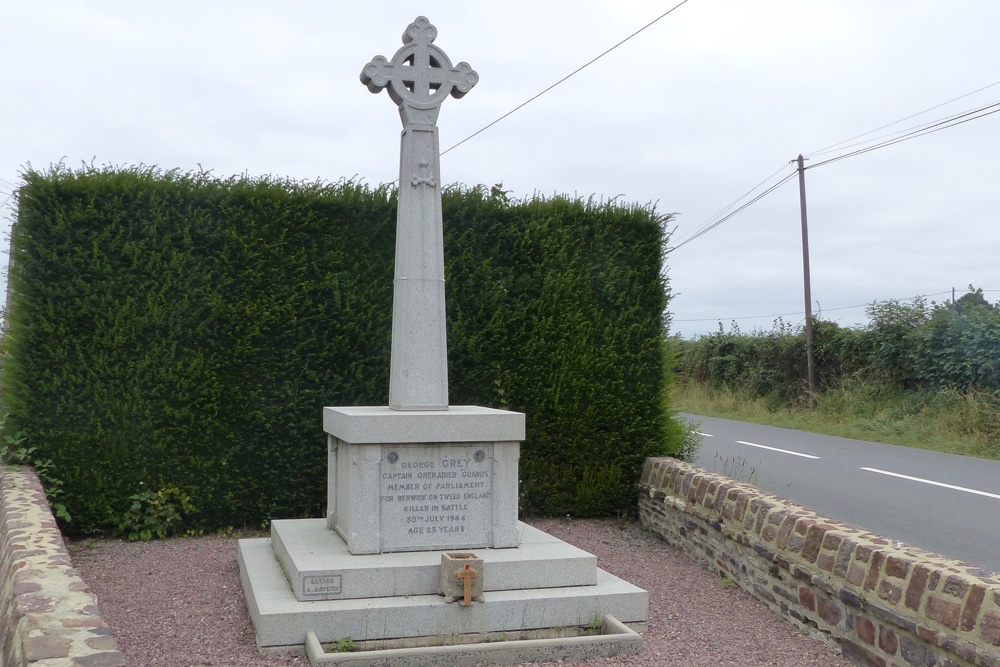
(810, 366)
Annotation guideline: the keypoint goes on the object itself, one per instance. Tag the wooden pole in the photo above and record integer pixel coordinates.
(810, 366)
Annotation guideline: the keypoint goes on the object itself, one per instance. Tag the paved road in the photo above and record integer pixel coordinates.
(944, 503)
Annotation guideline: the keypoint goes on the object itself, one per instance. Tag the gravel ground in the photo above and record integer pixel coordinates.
(179, 603)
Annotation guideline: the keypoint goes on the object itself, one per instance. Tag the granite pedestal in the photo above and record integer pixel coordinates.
(409, 480)
(405, 487)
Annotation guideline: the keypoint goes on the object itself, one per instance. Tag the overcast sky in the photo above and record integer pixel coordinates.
(688, 115)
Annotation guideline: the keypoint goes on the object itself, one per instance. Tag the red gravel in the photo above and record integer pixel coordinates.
(179, 603)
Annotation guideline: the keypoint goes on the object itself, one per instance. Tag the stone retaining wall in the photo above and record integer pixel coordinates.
(48, 616)
(882, 604)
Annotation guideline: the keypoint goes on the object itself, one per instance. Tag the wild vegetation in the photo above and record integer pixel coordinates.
(920, 374)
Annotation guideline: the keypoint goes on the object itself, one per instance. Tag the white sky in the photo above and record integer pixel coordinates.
(690, 114)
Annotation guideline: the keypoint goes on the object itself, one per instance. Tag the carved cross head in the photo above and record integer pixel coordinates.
(420, 75)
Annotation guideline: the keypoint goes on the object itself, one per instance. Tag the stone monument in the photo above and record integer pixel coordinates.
(421, 475)
(419, 78)
(422, 495)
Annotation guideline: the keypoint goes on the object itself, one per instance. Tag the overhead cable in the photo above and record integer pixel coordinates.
(895, 138)
(731, 214)
(827, 149)
(943, 124)
(577, 70)
(800, 313)
(735, 202)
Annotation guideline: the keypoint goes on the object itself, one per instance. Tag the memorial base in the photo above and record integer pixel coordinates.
(408, 491)
(545, 587)
(318, 565)
(409, 480)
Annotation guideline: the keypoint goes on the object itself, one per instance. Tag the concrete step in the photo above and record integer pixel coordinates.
(319, 567)
(282, 621)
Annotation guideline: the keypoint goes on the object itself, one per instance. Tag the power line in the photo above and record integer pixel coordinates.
(742, 317)
(898, 137)
(899, 133)
(731, 214)
(937, 126)
(826, 149)
(577, 70)
(927, 128)
(736, 201)
(798, 313)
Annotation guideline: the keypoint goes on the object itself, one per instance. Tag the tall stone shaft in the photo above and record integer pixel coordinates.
(419, 77)
(418, 377)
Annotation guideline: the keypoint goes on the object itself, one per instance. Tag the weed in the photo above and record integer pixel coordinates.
(346, 645)
(690, 440)
(595, 627)
(736, 468)
(726, 581)
(156, 514)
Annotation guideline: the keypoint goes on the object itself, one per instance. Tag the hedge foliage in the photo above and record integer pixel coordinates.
(912, 345)
(556, 310)
(176, 335)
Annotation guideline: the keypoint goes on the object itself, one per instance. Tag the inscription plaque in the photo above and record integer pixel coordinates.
(321, 586)
(436, 496)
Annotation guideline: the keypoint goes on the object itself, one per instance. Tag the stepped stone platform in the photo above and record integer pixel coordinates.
(319, 567)
(541, 585)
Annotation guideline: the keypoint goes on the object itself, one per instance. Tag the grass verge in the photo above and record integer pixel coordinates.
(946, 421)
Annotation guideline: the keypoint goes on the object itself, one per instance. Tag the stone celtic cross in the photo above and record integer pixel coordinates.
(419, 77)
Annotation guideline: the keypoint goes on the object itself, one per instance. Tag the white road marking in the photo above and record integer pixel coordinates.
(932, 482)
(775, 449)
(707, 435)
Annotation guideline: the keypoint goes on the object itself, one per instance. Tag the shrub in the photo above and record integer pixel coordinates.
(176, 331)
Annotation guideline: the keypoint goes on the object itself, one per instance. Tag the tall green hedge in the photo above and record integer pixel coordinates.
(556, 310)
(912, 345)
(177, 331)
(773, 363)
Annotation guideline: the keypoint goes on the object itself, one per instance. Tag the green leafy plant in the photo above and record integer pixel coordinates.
(346, 645)
(15, 451)
(727, 581)
(54, 490)
(686, 433)
(156, 514)
(595, 627)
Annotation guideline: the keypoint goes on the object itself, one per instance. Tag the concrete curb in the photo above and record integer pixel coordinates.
(616, 639)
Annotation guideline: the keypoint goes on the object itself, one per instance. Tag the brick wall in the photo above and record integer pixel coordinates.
(48, 616)
(882, 604)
